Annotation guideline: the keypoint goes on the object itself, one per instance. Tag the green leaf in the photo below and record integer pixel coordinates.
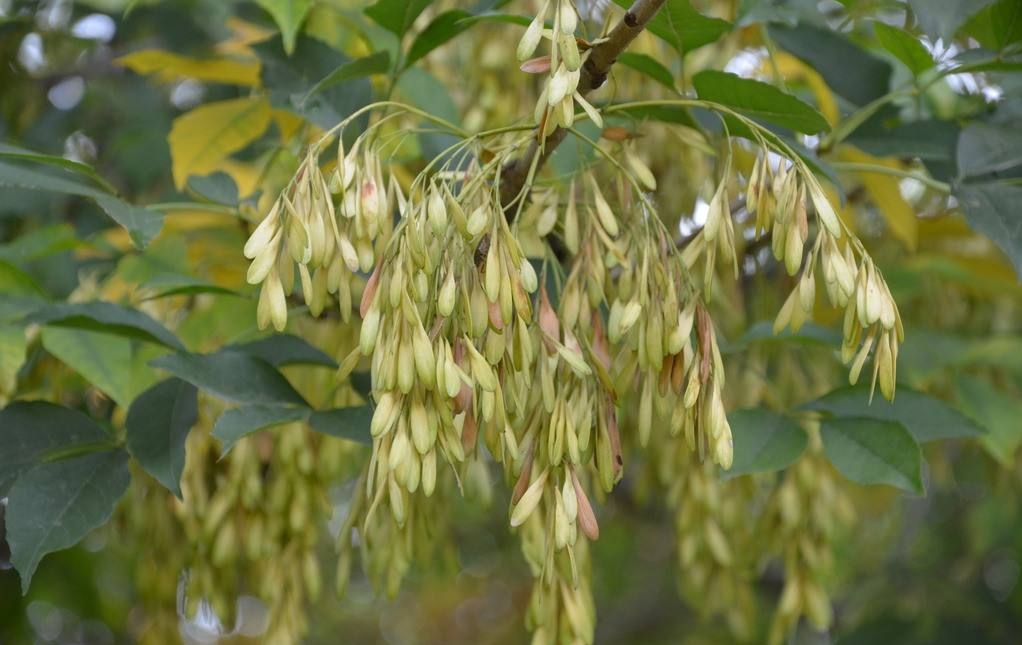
(930, 140)
(789, 12)
(29, 430)
(992, 209)
(764, 441)
(759, 100)
(22, 154)
(996, 411)
(985, 148)
(849, 70)
(289, 16)
(109, 318)
(164, 285)
(158, 423)
(925, 417)
(763, 332)
(288, 80)
(236, 423)
(217, 187)
(998, 25)
(574, 154)
(345, 423)
(870, 451)
(665, 113)
(21, 294)
(926, 353)
(286, 349)
(55, 504)
(378, 63)
(905, 47)
(983, 60)
(169, 254)
(1003, 351)
(13, 345)
(142, 224)
(396, 16)
(943, 19)
(98, 357)
(499, 16)
(362, 382)
(682, 27)
(232, 375)
(444, 27)
(426, 92)
(649, 66)
(40, 243)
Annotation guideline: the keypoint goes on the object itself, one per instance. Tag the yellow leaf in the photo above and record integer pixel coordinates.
(288, 123)
(885, 192)
(335, 29)
(982, 276)
(948, 227)
(244, 33)
(201, 139)
(185, 220)
(246, 175)
(990, 272)
(950, 239)
(167, 67)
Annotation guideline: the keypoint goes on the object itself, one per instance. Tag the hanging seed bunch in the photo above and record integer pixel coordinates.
(465, 342)
(561, 608)
(149, 519)
(802, 517)
(556, 104)
(567, 430)
(566, 423)
(717, 544)
(247, 523)
(324, 225)
(457, 348)
(780, 199)
(445, 337)
(440, 332)
(669, 351)
(252, 523)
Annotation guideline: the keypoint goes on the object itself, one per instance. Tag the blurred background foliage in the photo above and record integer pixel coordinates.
(200, 109)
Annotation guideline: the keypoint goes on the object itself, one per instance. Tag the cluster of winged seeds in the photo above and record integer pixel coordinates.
(479, 353)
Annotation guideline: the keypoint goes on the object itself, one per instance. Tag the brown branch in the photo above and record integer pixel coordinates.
(592, 76)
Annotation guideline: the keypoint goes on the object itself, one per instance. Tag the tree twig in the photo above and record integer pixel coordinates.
(592, 76)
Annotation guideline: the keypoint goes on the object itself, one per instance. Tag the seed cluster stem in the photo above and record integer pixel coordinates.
(593, 74)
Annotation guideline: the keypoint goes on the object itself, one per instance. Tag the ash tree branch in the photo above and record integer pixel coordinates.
(593, 75)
